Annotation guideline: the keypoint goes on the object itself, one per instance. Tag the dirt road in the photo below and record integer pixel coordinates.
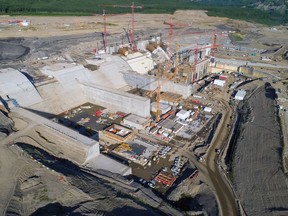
(42, 26)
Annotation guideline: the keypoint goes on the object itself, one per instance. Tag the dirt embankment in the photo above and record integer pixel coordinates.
(6, 125)
(46, 185)
(258, 177)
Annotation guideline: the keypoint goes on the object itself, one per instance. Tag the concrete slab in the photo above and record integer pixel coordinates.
(105, 163)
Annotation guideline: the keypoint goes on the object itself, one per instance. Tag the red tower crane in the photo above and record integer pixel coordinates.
(132, 6)
(214, 39)
(170, 35)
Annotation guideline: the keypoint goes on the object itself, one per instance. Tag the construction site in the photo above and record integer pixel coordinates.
(151, 116)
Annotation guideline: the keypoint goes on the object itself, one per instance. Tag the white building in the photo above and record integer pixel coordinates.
(207, 109)
(135, 121)
(219, 82)
(183, 114)
(240, 94)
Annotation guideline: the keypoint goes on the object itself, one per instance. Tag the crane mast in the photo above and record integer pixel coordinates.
(104, 31)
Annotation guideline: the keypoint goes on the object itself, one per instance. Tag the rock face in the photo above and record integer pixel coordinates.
(6, 125)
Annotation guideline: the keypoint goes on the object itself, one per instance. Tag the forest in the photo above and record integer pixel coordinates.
(235, 9)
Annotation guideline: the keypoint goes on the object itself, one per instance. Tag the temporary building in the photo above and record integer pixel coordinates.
(207, 109)
(219, 82)
(240, 95)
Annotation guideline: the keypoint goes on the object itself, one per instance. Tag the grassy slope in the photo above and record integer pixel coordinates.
(226, 8)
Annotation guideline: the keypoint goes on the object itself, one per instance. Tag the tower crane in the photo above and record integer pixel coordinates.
(170, 35)
(132, 6)
(158, 92)
(214, 34)
(104, 31)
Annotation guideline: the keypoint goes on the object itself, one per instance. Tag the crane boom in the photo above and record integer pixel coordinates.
(123, 6)
(132, 6)
(214, 40)
(170, 35)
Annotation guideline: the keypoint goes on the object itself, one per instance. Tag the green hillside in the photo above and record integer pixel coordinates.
(243, 9)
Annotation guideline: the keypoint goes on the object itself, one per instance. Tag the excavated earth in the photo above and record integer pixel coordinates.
(258, 175)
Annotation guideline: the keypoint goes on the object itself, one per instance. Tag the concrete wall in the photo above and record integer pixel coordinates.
(58, 99)
(64, 143)
(202, 68)
(226, 66)
(68, 75)
(14, 84)
(183, 89)
(117, 100)
(57, 139)
(140, 81)
(141, 63)
(149, 83)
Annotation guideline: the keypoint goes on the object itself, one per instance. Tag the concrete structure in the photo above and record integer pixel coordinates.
(109, 72)
(135, 121)
(68, 75)
(202, 68)
(57, 99)
(58, 138)
(63, 91)
(116, 134)
(140, 62)
(219, 82)
(117, 100)
(183, 114)
(15, 85)
(66, 143)
(103, 162)
(179, 88)
(240, 95)
(149, 83)
(137, 150)
(159, 55)
(164, 107)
